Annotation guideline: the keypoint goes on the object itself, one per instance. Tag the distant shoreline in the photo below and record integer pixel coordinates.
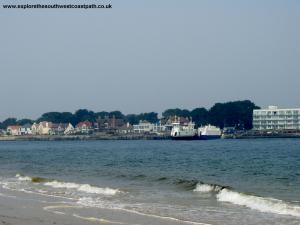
(85, 137)
(129, 137)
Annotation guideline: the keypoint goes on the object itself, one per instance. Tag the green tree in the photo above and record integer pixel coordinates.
(234, 114)
(22, 122)
(8, 122)
(200, 116)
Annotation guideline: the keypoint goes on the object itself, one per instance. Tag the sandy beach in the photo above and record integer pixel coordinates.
(17, 208)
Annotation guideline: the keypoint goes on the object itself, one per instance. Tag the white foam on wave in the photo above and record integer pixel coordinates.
(83, 188)
(23, 178)
(206, 188)
(270, 205)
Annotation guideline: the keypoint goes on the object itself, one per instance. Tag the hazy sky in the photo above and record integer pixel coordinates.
(147, 55)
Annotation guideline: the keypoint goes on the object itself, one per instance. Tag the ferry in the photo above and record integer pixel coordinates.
(188, 132)
(209, 132)
(184, 132)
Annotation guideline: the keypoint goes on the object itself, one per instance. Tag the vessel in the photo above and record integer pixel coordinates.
(184, 132)
(209, 132)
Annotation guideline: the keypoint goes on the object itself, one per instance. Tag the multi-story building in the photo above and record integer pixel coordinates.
(147, 127)
(274, 118)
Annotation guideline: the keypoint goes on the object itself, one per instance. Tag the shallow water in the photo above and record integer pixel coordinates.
(217, 182)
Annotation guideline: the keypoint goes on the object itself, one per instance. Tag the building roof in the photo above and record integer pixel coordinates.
(84, 124)
(13, 127)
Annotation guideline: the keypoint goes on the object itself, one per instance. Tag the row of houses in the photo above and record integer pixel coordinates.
(49, 128)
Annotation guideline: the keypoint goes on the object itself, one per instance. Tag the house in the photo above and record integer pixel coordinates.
(58, 128)
(110, 123)
(69, 129)
(25, 129)
(126, 129)
(85, 127)
(35, 129)
(44, 128)
(13, 130)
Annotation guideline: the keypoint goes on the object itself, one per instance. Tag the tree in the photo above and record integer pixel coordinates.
(200, 116)
(234, 114)
(116, 114)
(84, 115)
(176, 112)
(22, 122)
(8, 122)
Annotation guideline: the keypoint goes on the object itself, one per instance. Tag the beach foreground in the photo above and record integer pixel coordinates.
(24, 208)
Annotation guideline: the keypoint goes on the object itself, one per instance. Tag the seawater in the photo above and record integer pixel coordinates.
(214, 182)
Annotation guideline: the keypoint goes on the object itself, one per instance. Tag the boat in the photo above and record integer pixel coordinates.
(209, 132)
(184, 132)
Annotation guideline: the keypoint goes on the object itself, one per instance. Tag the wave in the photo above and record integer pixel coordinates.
(32, 179)
(270, 205)
(83, 188)
(68, 185)
(186, 184)
(205, 188)
(23, 178)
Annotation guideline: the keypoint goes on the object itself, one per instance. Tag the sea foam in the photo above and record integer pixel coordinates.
(83, 188)
(205, 188)
(270, 205)
(23, 178)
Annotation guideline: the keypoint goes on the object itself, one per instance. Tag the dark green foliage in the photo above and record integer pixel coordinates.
(200, 116)
(176, 112)
(24, 121)
(84, 115)
(151, 117)
(58, 117)
(232, 114)
(116, 114)
(8, 122)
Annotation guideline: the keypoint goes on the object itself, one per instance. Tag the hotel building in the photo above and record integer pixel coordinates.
(274, 118)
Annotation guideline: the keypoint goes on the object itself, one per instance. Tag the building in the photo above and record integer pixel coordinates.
(69, 129)
(44, 128)
(109, 123)
(13, 130)
(25, 129)
(147, 127)
(274, 118)
(85, 127)
(125, 129)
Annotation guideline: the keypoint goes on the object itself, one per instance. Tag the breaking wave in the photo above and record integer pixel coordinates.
(83, 188)
(270, 205)
(205, 188)
(68, 185)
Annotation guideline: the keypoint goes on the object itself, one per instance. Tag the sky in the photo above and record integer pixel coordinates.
(143, 56)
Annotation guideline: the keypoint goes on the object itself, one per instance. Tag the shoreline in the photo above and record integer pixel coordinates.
(19, 208)
(84, 137)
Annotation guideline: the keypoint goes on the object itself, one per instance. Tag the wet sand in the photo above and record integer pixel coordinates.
(17, 208)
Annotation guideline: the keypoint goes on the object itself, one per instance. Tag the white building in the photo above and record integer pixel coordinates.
(25, 129)
(274, 118)
(146, 127)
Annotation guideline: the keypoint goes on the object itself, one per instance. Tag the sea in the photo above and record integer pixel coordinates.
(253, 181)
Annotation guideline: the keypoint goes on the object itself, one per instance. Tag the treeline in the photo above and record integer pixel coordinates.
(82, 115)
(234, 114)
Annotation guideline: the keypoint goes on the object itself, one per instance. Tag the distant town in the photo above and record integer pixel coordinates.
(236, 119)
